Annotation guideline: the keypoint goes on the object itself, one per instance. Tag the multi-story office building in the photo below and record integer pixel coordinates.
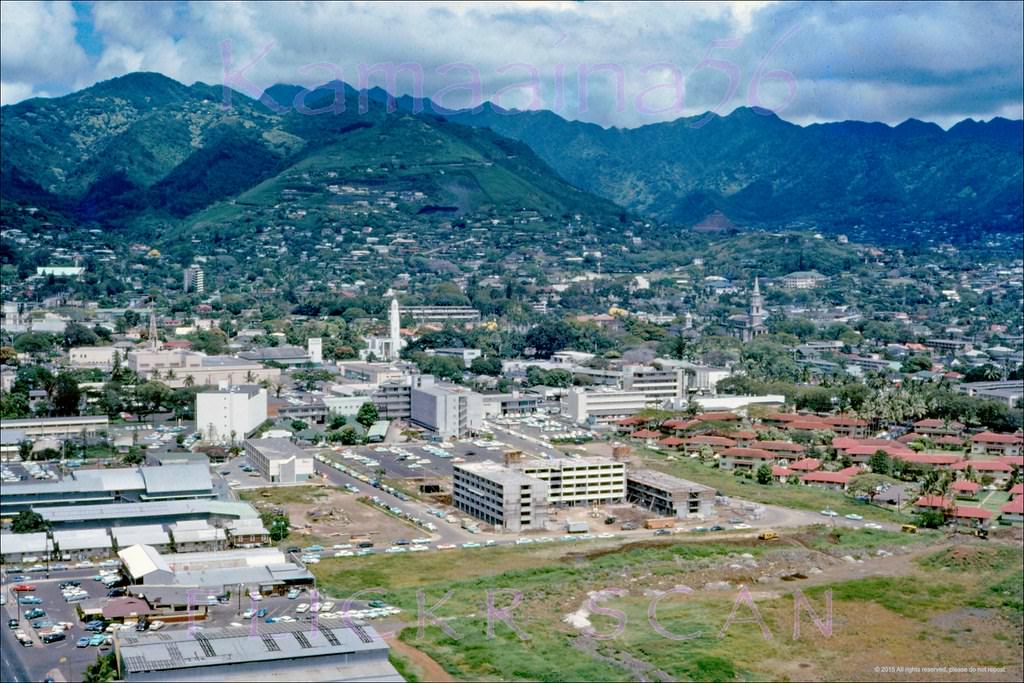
(656, 383)
(279, 460)
(578, 482)
(194, 280)
(447, 412)
(175, 367)
(667, 495)
(602, 405)
(442, 314)
(101, 357)
(230, 413)
(500, 496)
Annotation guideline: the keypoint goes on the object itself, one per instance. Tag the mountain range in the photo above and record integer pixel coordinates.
(144, 145)
(761, 170)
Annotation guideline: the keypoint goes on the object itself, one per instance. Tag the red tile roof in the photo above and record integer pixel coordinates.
(672, 441)
(984, 465)
(678, 424)
(935, 423)
(630, 421)
(1017, 489)
(992, 437)
(930, 458)
(971, 512)
(841, 477)
(933, 502)
(1014, 507)
(786, 446)
(806, 465)
(749, 453)
(707, 440)
(840, 421)
(780, 471)
(722, 416)
(645, 434)
(964, 485)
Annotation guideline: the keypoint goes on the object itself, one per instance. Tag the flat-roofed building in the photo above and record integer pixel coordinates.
(101, 357)
(230, 413)
(602, 405)
(285, 355)
(466, 356)
(75, 425)
(515, 403)
(669, 496)
(175, 366)
(441, 314)
(447, 412)
(657, 383)
(369, 373)
(323, 651)
(279, 460)
(578, 482)
(500, 496)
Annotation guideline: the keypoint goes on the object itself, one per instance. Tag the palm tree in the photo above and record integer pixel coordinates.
(250, 377)
(190, 380)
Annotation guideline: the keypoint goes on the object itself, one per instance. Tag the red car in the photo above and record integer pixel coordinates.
(24, 588)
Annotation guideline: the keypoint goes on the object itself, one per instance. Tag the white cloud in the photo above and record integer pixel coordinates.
(879, 61)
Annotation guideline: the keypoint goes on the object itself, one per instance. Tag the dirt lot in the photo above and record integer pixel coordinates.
(328, 515)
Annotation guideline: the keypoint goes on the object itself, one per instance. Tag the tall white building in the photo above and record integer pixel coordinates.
(230, 413)
(448, 412)
(603, 404)
(315, 348)
(194, 280)
(395, 330)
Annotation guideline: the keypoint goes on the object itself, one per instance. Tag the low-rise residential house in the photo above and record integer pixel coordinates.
(833, 480)
(940, 461)
(672, 442)
(746, 458)
(965, 489)
(926, 503)
(716, 443)
(744, 438)
(806, 465)
(847, 426)
(1013, 512)
(936, 427)
(971, 517)
(782, 474)
(998, 470)
(990, 443)
(782, 449)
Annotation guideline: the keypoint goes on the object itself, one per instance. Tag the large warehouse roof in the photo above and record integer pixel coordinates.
(286, 652)
(175, 478)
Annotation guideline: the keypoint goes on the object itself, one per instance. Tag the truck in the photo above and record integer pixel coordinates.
(470, 525)
(660, 523)
(577, 527)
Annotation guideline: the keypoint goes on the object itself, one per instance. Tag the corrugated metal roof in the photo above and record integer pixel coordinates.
(177, 478)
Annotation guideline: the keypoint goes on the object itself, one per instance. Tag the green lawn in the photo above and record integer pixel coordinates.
(788, 495)
(993, 500)
(555, 579)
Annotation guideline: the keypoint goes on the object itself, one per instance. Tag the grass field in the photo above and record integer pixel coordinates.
(954, 605)
(787, 495)
(285, 495)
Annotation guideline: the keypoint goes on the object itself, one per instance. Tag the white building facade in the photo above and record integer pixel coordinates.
(230, 413)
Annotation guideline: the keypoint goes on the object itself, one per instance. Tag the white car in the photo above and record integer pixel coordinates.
(326, 606)
(523, 541)
(302, 608)
(418, 549)
(255, 595)
(872, 525)
(156, 625)
(247, 614)
(829, 513)
(854, 517)
(741, 526)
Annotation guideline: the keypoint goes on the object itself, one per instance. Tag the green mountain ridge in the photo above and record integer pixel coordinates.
(145, 150)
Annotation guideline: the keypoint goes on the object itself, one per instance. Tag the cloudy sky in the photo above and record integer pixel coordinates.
(612, 64)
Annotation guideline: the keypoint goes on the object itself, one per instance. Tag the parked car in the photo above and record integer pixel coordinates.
(261, 613)
(29, 600)
(24, 588)
(34, 613)
(97, 640)
(12, 623)
(83, 642)
(156, 625)
(53, 637)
